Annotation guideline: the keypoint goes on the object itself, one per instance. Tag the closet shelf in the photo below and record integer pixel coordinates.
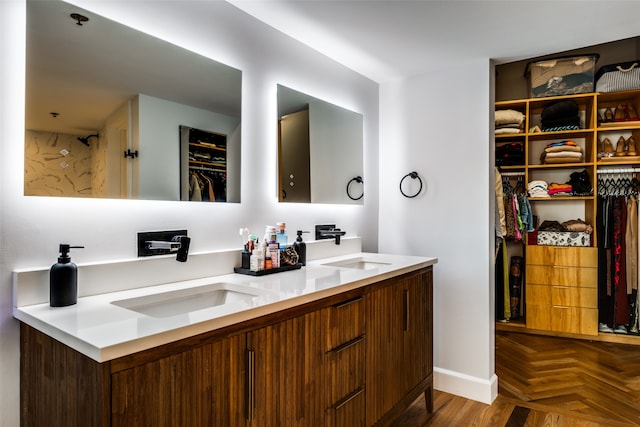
(562, 166)
(560, 198)
(566, 134)
(208, 146)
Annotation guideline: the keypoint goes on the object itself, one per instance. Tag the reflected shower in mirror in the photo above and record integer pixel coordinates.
(105, 104)
(320, 150)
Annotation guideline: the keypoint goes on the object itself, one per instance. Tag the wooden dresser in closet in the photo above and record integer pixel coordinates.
(562, 289)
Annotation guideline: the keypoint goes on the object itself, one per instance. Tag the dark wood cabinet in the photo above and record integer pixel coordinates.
(399, 346)
(201, 386)
(354, 359)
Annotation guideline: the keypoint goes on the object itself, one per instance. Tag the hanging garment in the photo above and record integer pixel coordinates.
(621, 301)
(515, 285)
(499, 283)
(507, 298)
(631, 239)
(603, 229)
(195, 192)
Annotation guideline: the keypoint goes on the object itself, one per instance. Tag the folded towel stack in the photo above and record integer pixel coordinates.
(538, 188)
(555, 189)
(561, 115)
(509, 121)
(561, 152)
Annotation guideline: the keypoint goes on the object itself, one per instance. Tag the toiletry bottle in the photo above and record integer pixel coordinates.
(301, 248)
(257, 260)
(63, 279)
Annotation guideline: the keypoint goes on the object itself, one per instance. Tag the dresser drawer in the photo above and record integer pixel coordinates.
(575, 320)
(565, 296)
(345, 369)
(562, 256)
(348, 412)
(586, 277)
(344, 322)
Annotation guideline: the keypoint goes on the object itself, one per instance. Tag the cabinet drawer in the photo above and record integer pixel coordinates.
(562, 256)
(344, 322)
(565, 296)
(348, 412)
(345, 369)
(585, 277)
(575, 320)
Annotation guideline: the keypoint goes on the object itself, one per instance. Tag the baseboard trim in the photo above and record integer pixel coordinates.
(466, 386)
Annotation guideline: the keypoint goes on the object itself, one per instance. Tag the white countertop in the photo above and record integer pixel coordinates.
(104, 331)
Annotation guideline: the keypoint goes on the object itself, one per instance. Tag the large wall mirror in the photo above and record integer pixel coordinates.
(115, 113)
(320, 151)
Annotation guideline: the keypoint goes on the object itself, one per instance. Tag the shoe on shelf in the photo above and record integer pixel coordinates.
(631, 147)
(630, 113)
(621, 147)
(608, 116)
(619, 115)
(606, 149)
(621, 329)
(603, 327)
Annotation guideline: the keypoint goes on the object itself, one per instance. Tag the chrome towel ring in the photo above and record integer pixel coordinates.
(412, 175)
(359, 180)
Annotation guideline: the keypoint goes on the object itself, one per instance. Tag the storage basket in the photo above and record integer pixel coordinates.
(618, 77)
(561, 76)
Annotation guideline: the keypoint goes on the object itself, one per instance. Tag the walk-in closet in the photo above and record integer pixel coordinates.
(567, 178)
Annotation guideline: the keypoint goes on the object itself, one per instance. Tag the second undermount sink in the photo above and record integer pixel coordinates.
(359, 263)
(181, 301)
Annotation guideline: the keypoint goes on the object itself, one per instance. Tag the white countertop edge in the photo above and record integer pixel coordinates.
(147, 342)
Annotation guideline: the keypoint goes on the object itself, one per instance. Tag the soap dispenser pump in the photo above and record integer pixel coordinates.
(301, 248)
(63, 279)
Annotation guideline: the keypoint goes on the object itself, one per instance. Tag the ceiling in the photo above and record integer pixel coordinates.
(389, 39)
(86, 72)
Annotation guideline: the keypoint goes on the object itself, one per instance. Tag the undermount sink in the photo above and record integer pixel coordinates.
(181, 301)
(357, 263)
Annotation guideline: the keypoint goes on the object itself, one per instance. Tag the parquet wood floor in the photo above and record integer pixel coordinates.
(547, 381)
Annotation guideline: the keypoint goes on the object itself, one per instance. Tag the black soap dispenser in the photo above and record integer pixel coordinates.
(301, 248)
(63, 279)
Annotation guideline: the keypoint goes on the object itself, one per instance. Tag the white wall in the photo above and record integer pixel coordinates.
(159, 145)
(437, 125)
(32, 227)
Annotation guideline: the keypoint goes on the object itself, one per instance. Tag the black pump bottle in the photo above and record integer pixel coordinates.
(301, 248)
(63, 279)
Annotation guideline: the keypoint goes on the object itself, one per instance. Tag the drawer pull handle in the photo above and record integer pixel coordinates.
(349, 302)
(348, 344)
(349, 398)
(251, 358)
(406, 309)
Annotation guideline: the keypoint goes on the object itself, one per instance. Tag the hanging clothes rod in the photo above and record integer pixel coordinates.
(614, 171)
(512, 174)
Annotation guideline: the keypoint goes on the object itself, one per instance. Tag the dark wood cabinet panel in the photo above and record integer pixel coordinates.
(288, 375)
(202, 386)
(399, 346)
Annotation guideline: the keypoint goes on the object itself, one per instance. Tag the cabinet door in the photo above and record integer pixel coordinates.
(286, 373)
(198, 387)
(418, 337)
(384, 343)
(399, 342)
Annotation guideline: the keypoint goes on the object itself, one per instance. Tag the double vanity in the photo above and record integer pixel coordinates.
(344, 341)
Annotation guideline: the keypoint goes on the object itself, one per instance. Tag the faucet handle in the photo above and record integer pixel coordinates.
(183, 251)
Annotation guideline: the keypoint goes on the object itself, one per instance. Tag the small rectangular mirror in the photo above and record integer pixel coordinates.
(320, 151)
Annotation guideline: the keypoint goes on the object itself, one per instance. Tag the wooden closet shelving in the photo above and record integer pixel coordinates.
(562, 281)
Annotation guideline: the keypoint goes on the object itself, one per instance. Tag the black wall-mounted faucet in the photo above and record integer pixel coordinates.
(329, 231)
(164, 242)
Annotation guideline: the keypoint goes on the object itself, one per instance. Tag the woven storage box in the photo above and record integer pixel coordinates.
(618, 77)
(561, 76)
(563, 238)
